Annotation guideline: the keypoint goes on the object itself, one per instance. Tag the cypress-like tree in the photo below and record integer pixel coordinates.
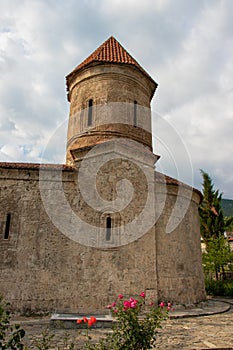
(211, 215)
(218, 256)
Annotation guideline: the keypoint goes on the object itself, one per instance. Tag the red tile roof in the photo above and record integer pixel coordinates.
(110, 51)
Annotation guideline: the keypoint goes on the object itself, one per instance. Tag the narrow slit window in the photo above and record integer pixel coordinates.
(90, 108)
(135, 104)
(108, 228)
(7, 227)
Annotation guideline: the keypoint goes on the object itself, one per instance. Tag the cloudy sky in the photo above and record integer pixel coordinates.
(186, 46)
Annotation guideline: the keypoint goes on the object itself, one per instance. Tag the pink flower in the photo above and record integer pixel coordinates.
(109, 306)
(115, 310)
(120, 296)
(133, 304)
(126, 305)
(161, 304)
(151, 303)
(113, 304)
(142, 294)
(169, 304)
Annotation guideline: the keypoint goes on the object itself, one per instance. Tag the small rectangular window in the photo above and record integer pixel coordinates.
(135, 113)
(90, 107)
(108, 228)
(7, 227)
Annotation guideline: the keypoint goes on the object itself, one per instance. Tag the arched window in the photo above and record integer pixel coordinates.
(7, 227)
(135, 104)
(90, 107)
(108, 228)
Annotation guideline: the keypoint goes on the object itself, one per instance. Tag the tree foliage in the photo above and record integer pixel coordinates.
(10, 335)
(217, 257)
(211, 215)
(228, 223)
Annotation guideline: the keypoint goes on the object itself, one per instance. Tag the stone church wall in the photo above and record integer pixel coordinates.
(179, 261)
(41, 269)
(70, 241)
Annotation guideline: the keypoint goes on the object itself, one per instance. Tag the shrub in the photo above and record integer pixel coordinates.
(133, 330)
(10, 335)
(219, 287)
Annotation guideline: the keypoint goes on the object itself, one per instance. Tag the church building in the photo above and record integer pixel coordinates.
(73, 236)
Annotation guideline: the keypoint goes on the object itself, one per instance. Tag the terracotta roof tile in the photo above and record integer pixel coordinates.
(110, 51)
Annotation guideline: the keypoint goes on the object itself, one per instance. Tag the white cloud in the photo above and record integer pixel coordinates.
(186, 46)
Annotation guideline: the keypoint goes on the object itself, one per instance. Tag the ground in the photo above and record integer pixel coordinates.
(203, 332)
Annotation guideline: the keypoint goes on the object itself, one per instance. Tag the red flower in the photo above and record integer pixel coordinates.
(142, 294)
(93, 319)
(120, 296)
(90, 323)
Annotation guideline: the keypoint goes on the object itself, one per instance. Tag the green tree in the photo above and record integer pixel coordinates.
(218, 257)
(212, 223)
(228, 222)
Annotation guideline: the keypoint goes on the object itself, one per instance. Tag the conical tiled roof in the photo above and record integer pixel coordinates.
(110, 51)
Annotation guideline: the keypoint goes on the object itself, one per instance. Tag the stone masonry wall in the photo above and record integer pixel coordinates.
(179, 260)
(113, 89)
(42, 269)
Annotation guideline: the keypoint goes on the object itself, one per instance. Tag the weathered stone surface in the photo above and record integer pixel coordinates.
(58, 252)
(42, 269)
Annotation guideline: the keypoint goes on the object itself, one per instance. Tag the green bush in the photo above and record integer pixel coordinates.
(134, 328)
(219, 287)
(131, 331)
(10, 335)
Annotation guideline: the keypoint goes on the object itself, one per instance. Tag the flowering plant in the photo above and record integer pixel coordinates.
(133, 329)
(92, 320)
(89, 323)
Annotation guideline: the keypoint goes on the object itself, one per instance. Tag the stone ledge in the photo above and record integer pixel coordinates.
(210, 307)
